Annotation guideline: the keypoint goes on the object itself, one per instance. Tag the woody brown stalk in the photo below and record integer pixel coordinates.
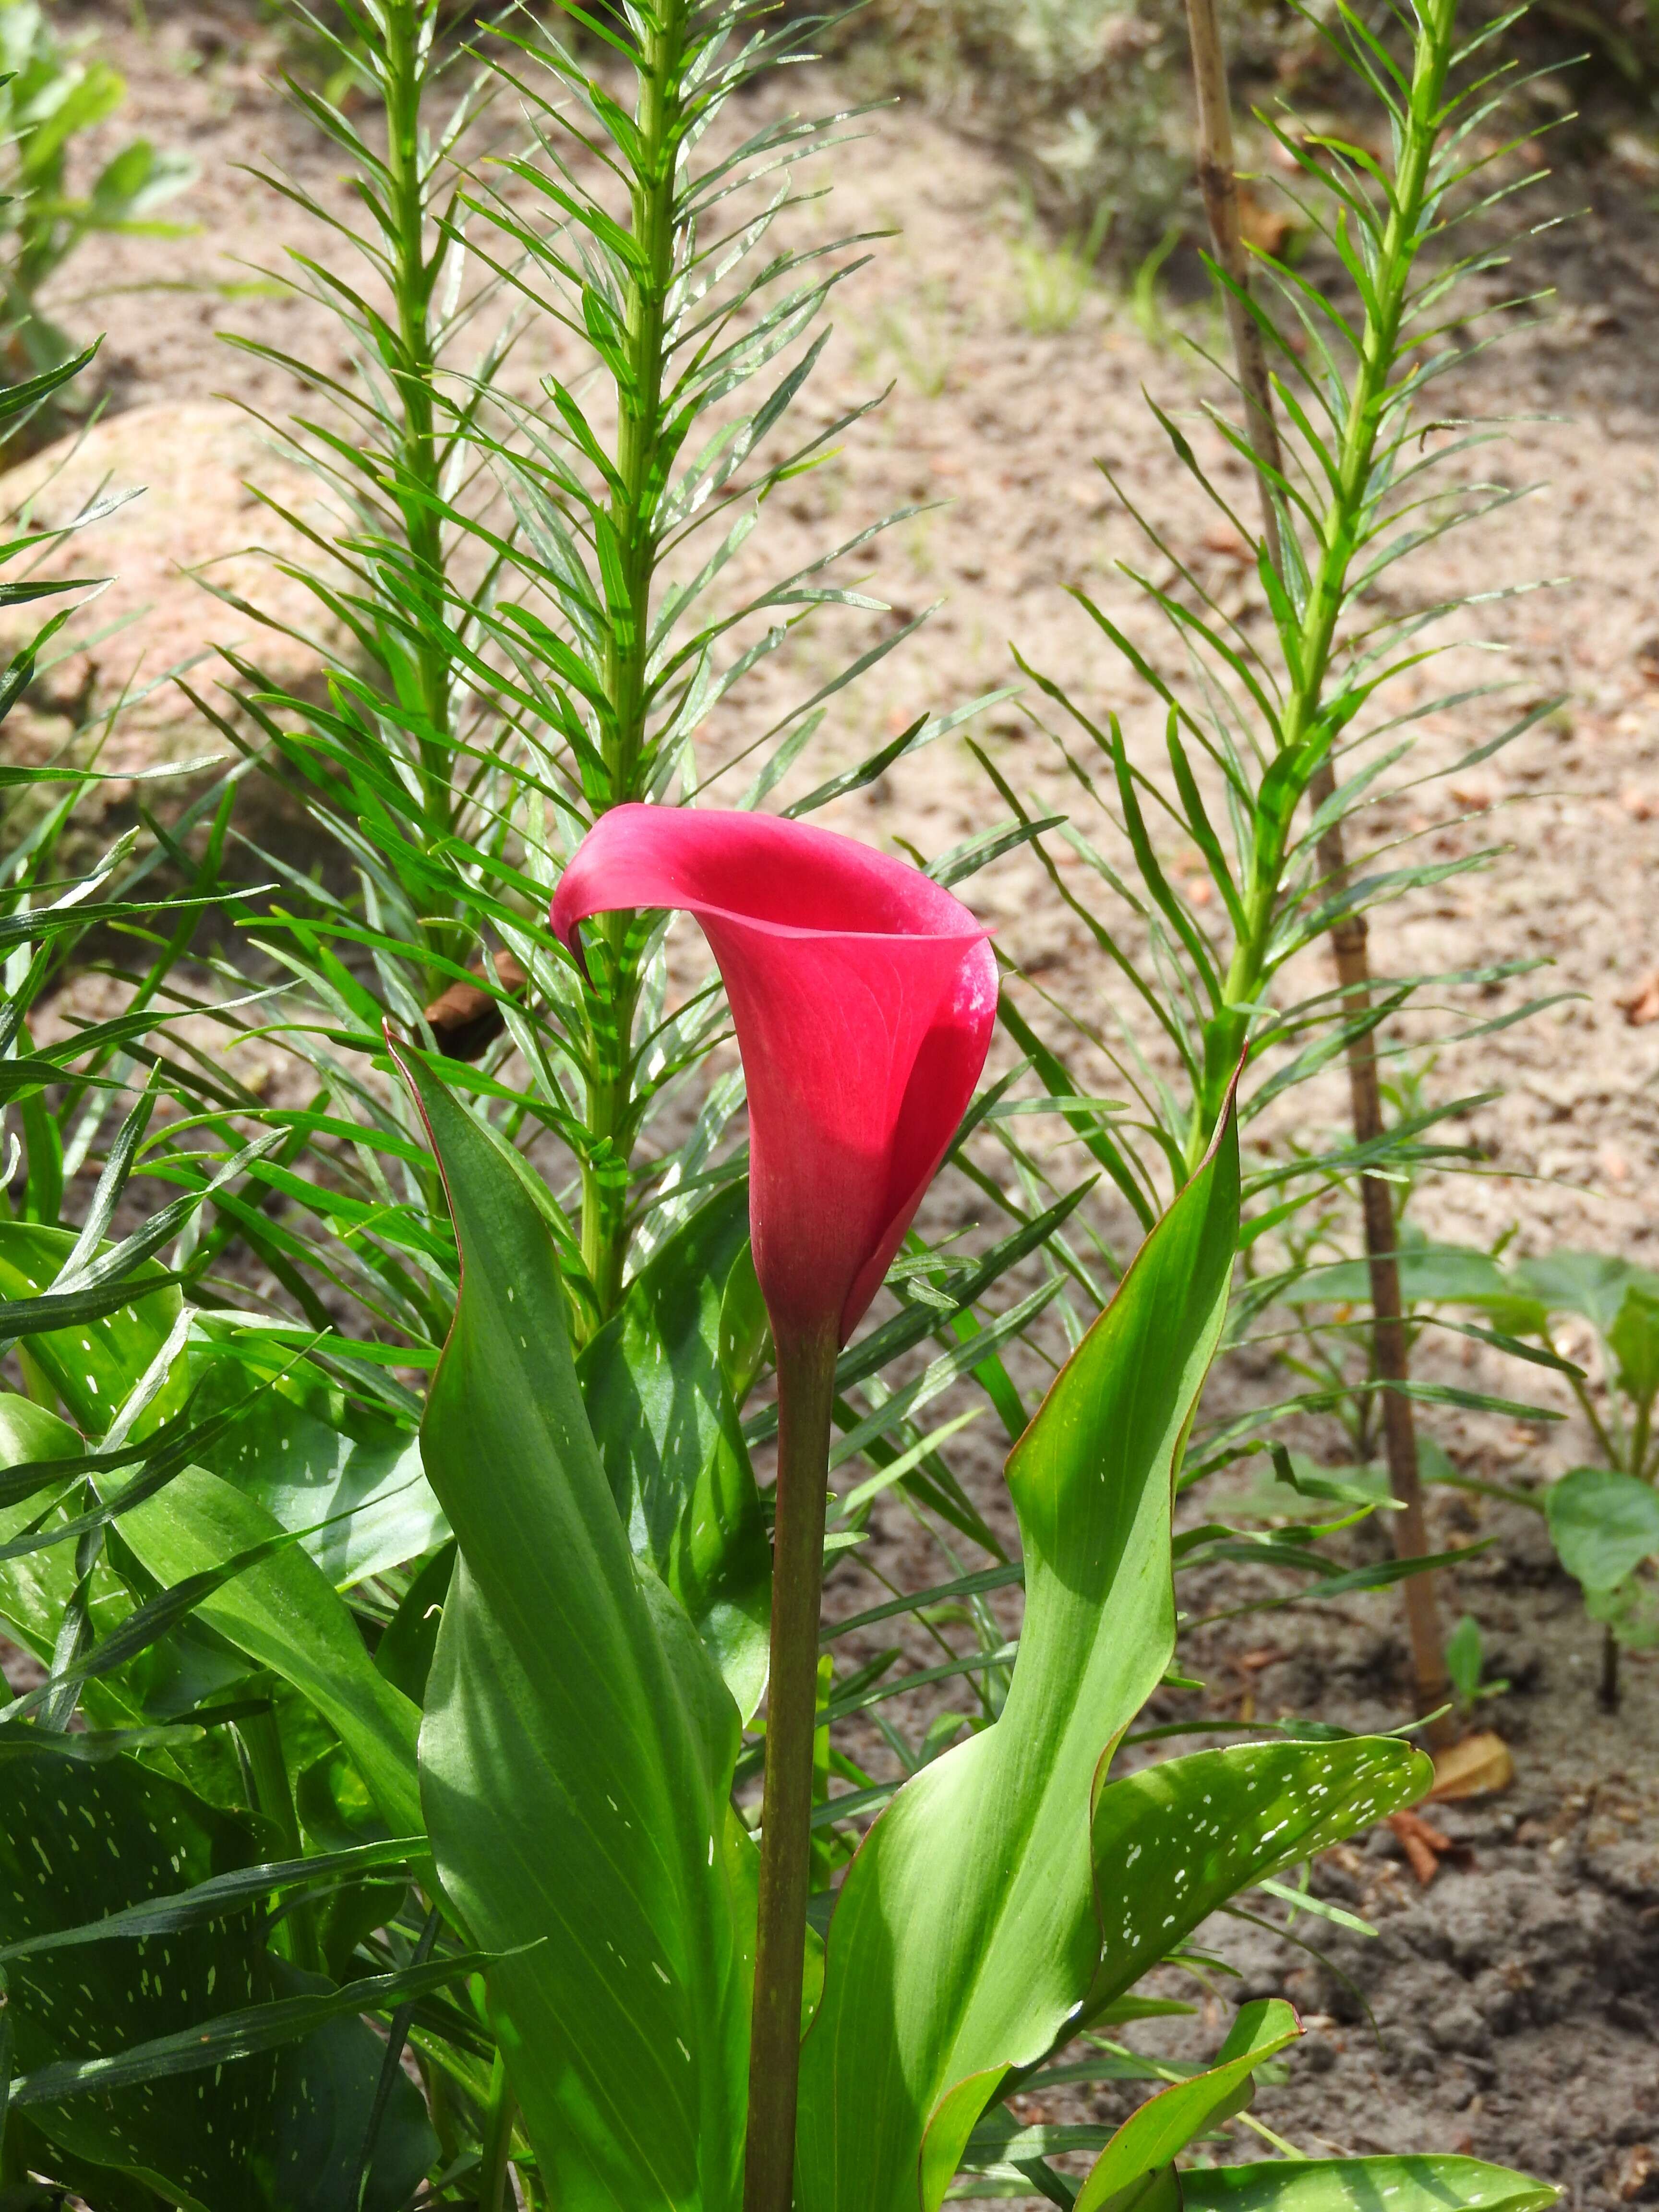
(1218, 177)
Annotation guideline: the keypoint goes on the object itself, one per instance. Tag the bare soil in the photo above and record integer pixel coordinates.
(1515, 1996)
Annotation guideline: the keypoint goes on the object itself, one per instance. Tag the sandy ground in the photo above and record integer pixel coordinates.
(1514, 1994)
(994, 430)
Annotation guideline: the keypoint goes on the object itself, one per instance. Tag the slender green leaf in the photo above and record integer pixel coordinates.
(219, 1895)
(1150, 2136)
(965, 1934)
(225, 2037)
(578, 1749)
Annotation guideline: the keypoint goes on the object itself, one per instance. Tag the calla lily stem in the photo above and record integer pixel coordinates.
(806, 1386)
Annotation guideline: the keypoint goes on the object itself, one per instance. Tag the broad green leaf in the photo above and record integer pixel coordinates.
(1174, 1841)
(309, 1456)
(94, 1365)
(325, 2093)
(659, 1404)
(35, 1588)
(577, 1753)
(965, 1933)
(1630, 1611)
(1150, 2138)
(1432, 1275)
(1365, 2185)
(1604, 1523)
(287, 1615)
(77, 1841)
(1592, 1284)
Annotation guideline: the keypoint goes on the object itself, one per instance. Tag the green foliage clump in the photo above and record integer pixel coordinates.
(49, 97)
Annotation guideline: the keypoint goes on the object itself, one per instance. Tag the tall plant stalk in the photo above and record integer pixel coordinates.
(547, 656)
(639, 365)
(1307, 724)
(806, 1390)
(389, 764)
(417, 250)
(1334, 439)
(1218, 183)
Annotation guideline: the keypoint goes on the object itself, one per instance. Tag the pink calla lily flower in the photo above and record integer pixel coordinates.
(864, 995)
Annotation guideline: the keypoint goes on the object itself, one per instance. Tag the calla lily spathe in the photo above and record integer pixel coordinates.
(864, 995)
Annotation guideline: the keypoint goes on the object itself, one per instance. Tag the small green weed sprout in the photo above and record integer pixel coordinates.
(1056, 279)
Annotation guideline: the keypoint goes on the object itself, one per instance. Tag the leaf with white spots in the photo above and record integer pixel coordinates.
(78, 1841)
(1365, 2184)
(177, 2050)
(93, 1364)
(1175, 1841)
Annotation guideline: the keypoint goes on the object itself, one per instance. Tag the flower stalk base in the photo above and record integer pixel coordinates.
(807, 1387)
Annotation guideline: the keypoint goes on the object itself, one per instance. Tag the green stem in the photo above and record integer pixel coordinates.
(418, 459)
(1367, 406)
(806, 1384)
(638, 400)
(496, 2150)
(1598, 1429)
(440, 2108)
(1641, 1437)
(611, 1115)
(611, 1118)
